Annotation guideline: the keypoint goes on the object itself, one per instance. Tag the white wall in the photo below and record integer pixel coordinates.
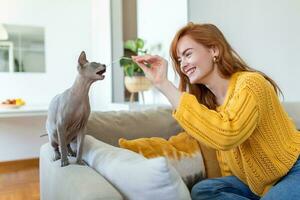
(20, 137)
(117, 50)
(265, 33)
(101, 44)
(158, 21)
(70, 27)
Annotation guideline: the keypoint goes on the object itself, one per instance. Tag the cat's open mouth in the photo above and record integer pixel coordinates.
(101, 72)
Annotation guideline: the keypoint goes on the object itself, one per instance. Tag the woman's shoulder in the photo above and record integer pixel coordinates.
(254, 78)
(253, 81)
(248, 75)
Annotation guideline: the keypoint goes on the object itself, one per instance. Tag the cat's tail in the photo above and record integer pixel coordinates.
(44, 135)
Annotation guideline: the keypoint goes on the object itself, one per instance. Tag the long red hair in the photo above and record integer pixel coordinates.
(228, 61)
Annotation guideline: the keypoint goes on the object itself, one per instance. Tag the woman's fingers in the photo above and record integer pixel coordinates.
(141, 63)
(146, 58)
(143, 66)
(143, 57)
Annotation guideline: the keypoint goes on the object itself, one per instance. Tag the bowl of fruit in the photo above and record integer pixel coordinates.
(12, 103)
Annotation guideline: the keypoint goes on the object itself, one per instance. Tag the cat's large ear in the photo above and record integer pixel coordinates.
(82, 59)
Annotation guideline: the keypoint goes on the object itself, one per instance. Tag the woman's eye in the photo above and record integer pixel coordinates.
(188, 55)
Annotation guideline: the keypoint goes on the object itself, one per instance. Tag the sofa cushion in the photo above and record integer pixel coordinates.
(135, 176)
(110, 126)
(182, 151)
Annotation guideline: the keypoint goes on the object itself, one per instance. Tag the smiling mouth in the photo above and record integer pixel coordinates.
(101, 72)
(190, 71)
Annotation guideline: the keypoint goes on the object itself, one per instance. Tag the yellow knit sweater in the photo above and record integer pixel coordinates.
(253, 135)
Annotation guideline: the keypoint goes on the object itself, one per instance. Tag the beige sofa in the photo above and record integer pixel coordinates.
(76, 182)
(81, 182)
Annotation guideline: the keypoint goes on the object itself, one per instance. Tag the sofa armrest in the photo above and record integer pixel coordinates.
(74, 182)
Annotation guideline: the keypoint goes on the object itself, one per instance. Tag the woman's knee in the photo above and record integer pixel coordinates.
(205, 187)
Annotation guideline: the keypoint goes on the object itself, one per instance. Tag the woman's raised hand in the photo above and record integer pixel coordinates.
(154, 67)
(157, 74)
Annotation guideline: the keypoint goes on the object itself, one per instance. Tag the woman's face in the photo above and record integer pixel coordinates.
(196, 60)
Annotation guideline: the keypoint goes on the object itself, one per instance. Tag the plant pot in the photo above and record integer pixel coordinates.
(137, 83)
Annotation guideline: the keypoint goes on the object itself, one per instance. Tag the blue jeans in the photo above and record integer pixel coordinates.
(231, 188)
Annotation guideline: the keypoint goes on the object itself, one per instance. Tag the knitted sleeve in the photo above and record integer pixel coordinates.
(225, 129)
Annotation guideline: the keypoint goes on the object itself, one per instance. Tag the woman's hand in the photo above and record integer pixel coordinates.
(157, 74)
(154, 67)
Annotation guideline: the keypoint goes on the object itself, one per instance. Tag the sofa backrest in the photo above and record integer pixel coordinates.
(293, 110)
(112, 125)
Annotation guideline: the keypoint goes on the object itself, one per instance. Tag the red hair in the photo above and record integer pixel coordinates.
(228, 61)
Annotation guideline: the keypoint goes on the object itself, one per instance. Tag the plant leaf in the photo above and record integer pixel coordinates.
(139, 70)
(131, 45)
(126, 61)
(135, 67)
(129, 71)
(139, 43)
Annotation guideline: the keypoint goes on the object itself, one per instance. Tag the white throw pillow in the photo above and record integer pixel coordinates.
(182, 151)
(133, 175)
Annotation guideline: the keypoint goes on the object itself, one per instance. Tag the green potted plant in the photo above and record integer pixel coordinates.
(132, 48)
(135, 80)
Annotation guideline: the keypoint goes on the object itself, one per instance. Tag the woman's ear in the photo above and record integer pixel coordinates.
(214, 51)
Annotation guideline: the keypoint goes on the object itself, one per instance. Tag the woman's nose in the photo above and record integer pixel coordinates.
(182, 65)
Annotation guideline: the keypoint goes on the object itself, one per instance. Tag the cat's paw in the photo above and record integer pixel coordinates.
(80, 162)
(56, 156)
(64, 163)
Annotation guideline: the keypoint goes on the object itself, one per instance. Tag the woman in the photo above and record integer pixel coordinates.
(234, 109)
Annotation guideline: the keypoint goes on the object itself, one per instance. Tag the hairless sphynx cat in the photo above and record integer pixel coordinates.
(69, 111)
